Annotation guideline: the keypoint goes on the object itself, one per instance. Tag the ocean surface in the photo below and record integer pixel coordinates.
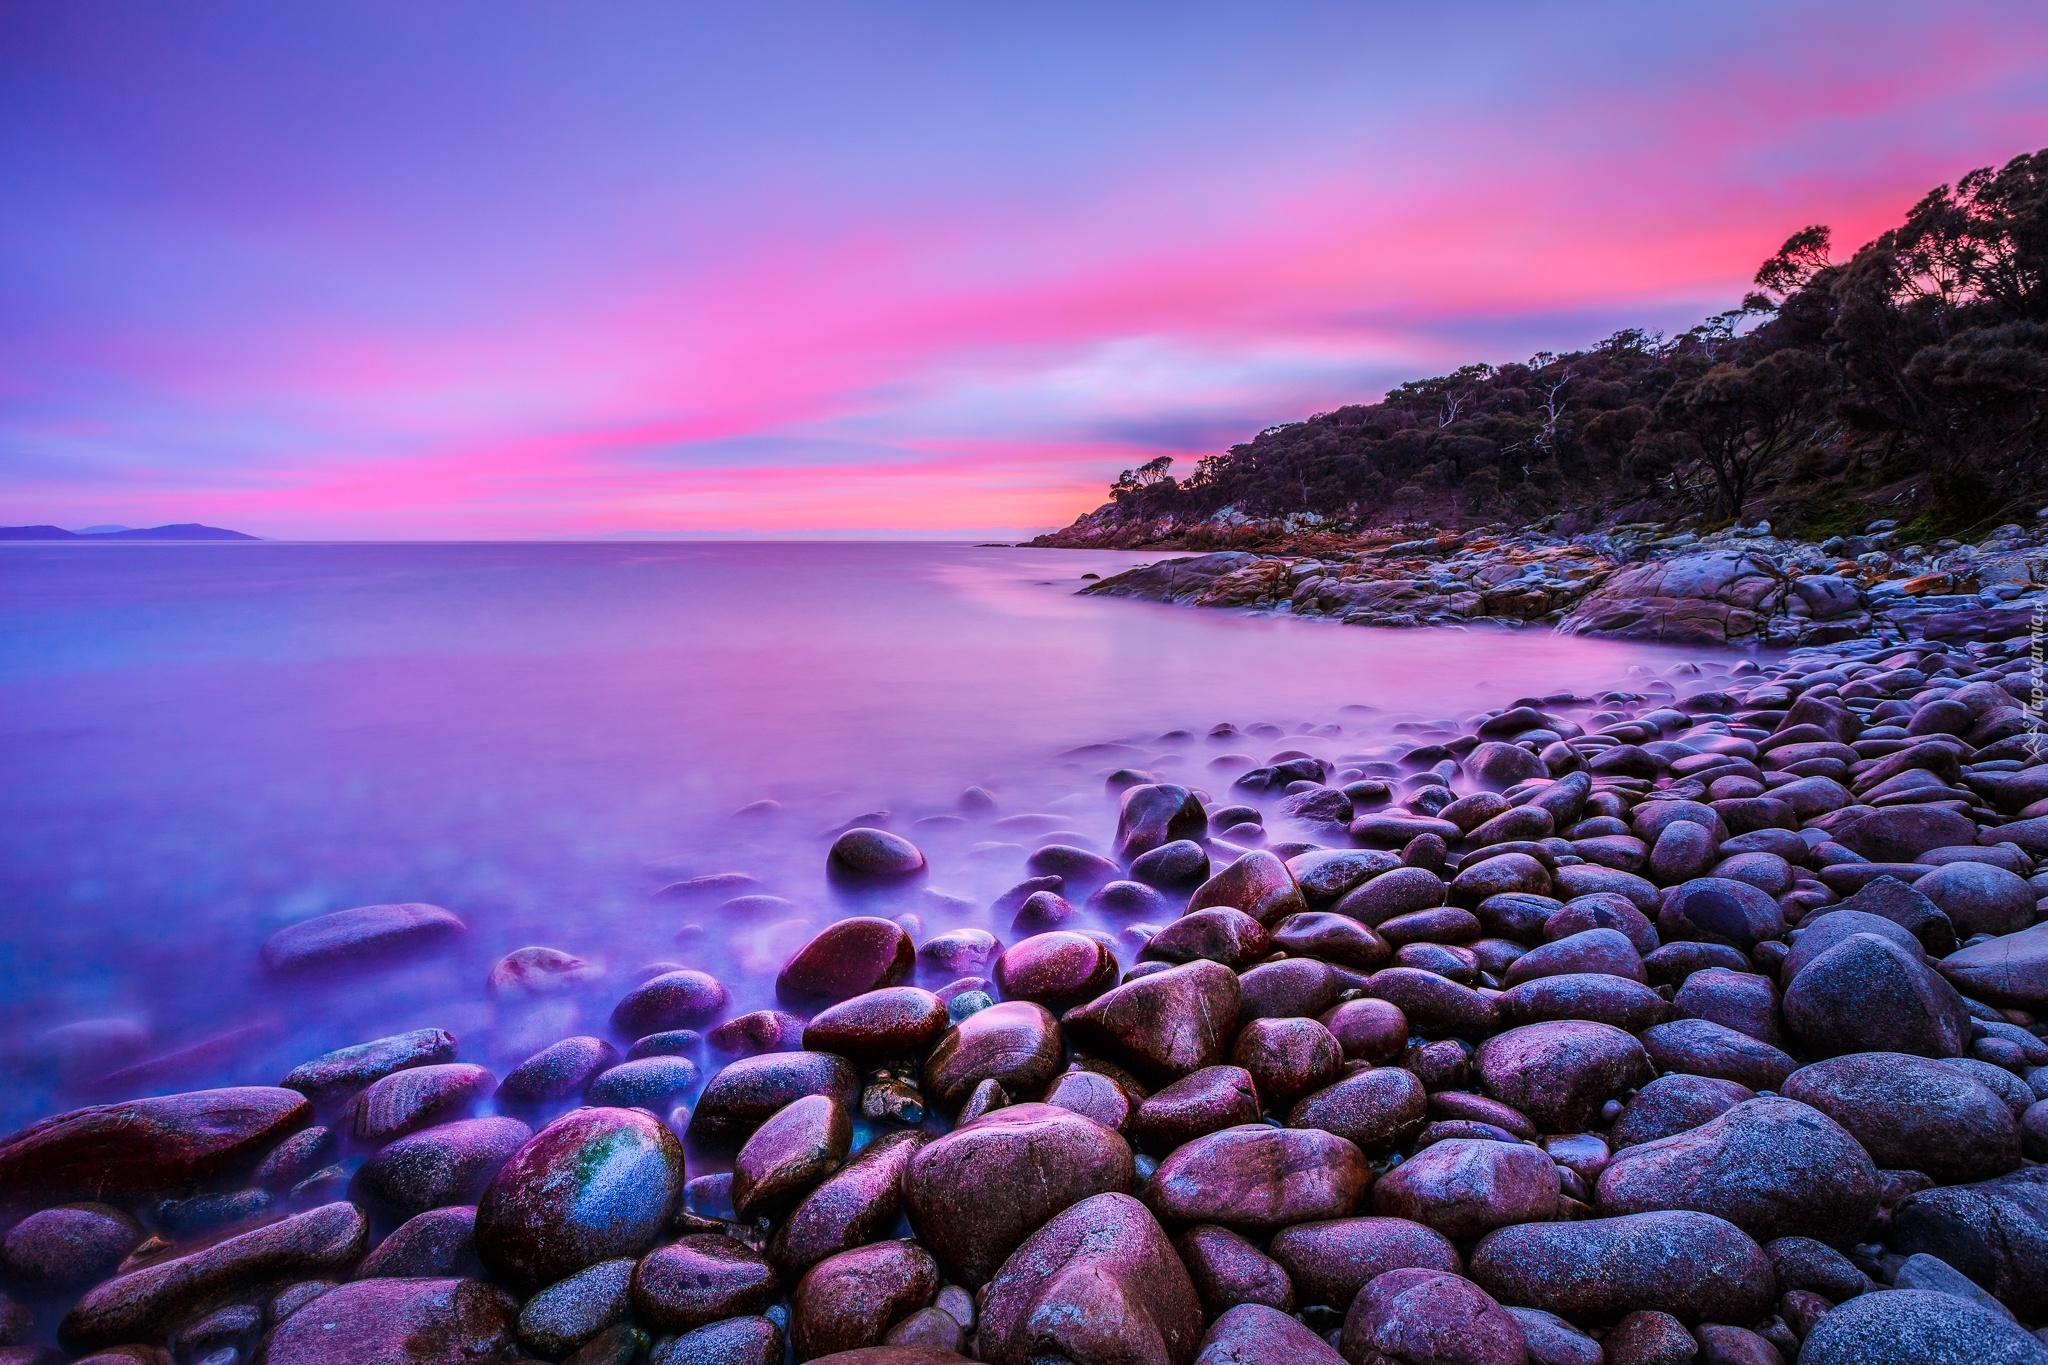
(204, 743)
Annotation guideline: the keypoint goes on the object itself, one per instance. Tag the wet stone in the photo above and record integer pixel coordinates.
(449, 1164)
(1259, 884)
(853, 1206)
(529, 972)
(960, 952)
(652, 1083)
(679, 1042)
(1098, 1282)
(1295, 987)
(404, 1322)
(850, 1300)
(673, 1000)
(1254, 1334)
(407, 1101)
(847, 959)
(594, 1185)
(741, 1097)
(1675, 1104)
(796, 1148)
(366, 934)
(1650, 1338)
(976, 1193)
(1401, 891)
(1204, 1101)
(1154, 816)
(1015, 1044)
(1258, 1177)
(1160, 1027)
(873, 855)
(1914, 1327)
(1368, 1030)
(1561, 1073)
(568, 1313)
(759, 1031)
(1700, 1047)
(1181, 865)
(1868, 994)
(1596, 997)
(1466, 1188)
(697, 1280)
(335, 1077)
(1287, 1058)
(1419, 1315)
(1095, 1096)
(736, 1341)
(1218, 934)
(69, 1247)
(437, 1244)
(1227, 1270)
(1042, 911)
(297, 1157)
(145, 1147)
(557, 1071)
(1911, 1113)
(1693, 1266)
(1057, 970)
(1743, 1001)
(1330, 938)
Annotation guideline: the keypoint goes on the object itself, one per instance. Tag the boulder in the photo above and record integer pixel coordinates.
(407, 1101)
(1153, 816)
(1330, 1261)
(1594, 996)
(1994, 1231)
(1016, 1044)
(799, 1145)
(1913, 1327)
(365, 934)
(1259, 1177)
(700, 1279)
(1258, 884)
(570, 1312)
(849, 1300)
(866, 856)
(146, 1147)
(1693, 1266)
(1675, 1104)
(333, 1078)
(1427, 1317)
(741, 1097)
(1700, 1047)
(1910, 1113)
(594, 1185)
(1220, 933)
(1770, 1166)
(1720, 910)
(398, 1322)
(1868, 994)
(1899, 834)
(853, 1206)
(849, 958)
(1466, 1187)
(1370, 1107)
(1162, 1026)
(673, 1000)
(1205, 1101)
(450, 1164)
(437, 1244)
(1979, 898)
(1100, 1282)
(975, 1194)
(2010, 971)
(1254, 1334)
(1561, 1073)
(1227, 1270)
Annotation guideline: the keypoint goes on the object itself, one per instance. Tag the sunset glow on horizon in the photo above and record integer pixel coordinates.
(477, 271)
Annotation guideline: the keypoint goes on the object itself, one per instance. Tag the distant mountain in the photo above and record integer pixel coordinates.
(102, 529)
(184, 530)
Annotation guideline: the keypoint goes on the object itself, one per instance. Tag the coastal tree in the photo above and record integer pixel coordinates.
(1745, 422)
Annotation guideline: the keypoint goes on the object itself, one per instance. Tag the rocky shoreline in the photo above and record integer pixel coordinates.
(1734, 587)
(1701, 1019)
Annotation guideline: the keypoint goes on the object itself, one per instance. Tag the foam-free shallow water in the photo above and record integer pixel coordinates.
(207, 742)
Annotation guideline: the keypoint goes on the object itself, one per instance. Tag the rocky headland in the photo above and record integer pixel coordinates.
(1739, 586)
(1699, 1019)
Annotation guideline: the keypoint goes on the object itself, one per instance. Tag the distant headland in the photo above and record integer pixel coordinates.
(183, 530)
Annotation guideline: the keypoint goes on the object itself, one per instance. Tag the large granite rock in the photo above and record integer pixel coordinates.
(1914, 1114)
(365, 934)
(398, 1322)
(1693, 1266)
(144, 1147)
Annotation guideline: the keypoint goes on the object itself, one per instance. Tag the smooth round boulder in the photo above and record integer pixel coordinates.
(1744, 1001)
(1979, 898)
(700, 1279)
(1258, 1177)
(976, 1193)
(873, 855)
(960, 952)
(1561, 1073)
(1368, 1030)
(1099, 1282)
(143, 1147)
(594, 1185)
(1151, 816)
(1594, 996)
(1057, 970)
(1434, 1004)
(557, 1071)
(537, 971)
(673, 1000)
(740, 1098)
(1163, 1026)
(1287, 1058)
(1370, 1107)
(1204, 1101)
(1256, 1334)
(407, 1101)
(1771, 1166)
(1500, 875)
(1700, 1047)
(1651, 1338)
(849, 958)
(1220, 933)
(850, 1300)
(748, 1035)
(651, 1083)
(398, 1322)
(1292, 987)
(365, 934)
(1553, 1341)
(1181, 865)
(1015, 1044)
(436, 1244)
(2011, 971)
(1593, 950)
(1330, 937)
(1913, 1114)
(451, 1164)
(570, 1312)
(1868, 994)
(1329, 1261)
(1899, 834)
(1720, 910)
(1675, 1104)
(1401, 891)
(853, 1206)
(1693, 1266)
(333, 1078)
(1227, 1270)
(1466, 1187)
(750, 1340)
(799, 1145)
(1258, 884)
(73, 1246)
(896, 1021)
(1916, 1327)
(1427, 1317)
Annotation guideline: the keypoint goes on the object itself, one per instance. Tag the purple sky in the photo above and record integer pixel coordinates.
(381, 269)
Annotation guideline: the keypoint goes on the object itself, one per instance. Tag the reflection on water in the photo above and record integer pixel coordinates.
(205, 743)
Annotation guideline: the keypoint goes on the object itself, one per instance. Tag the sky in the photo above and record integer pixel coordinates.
(365, 269)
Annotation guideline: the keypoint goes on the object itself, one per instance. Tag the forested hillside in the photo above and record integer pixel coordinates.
(1910, 375)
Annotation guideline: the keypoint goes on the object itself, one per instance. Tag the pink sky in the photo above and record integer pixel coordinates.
(369, 271)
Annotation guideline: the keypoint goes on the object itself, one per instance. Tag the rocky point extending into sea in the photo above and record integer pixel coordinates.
(1698, 1019)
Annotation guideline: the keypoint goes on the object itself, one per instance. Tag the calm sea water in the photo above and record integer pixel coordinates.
(204, 743)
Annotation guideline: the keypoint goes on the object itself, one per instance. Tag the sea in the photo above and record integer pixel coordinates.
(204, 743)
